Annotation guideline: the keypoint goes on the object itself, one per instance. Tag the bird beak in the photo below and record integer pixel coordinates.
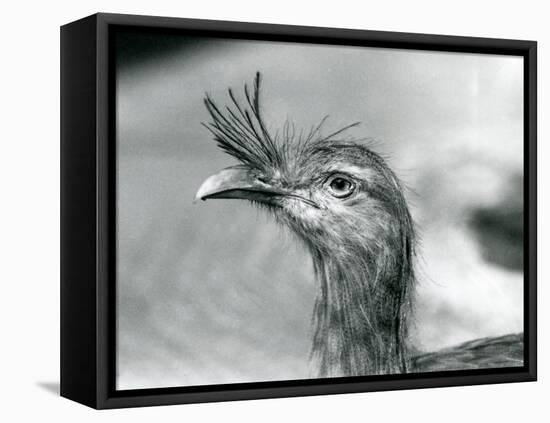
(242, 184)
(237, 183)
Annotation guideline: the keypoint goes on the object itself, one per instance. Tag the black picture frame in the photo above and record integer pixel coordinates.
(88, 212)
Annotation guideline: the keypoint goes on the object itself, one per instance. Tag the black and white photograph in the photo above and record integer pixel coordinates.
(275, 212)
(291, 211)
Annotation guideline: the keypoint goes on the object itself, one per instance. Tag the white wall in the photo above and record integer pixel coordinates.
(30, 208)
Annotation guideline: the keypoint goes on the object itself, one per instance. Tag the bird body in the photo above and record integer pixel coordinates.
(499, 351)
(347, 207)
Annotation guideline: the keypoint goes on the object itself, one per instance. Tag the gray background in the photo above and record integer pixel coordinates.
(215, 292)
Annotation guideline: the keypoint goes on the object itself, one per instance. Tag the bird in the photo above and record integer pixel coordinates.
(347, 208)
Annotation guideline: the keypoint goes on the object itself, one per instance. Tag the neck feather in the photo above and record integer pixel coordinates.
(361, 312)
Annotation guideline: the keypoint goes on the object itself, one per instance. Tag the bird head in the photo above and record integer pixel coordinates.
(334, 192)
(348, 207)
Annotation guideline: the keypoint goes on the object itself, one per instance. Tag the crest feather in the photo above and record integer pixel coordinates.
(241, 132)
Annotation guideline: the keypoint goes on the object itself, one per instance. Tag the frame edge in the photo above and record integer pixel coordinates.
(78, 212)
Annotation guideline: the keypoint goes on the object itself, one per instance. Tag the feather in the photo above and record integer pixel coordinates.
(484, 353)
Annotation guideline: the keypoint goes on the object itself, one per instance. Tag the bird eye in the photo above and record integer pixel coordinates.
(340, 186)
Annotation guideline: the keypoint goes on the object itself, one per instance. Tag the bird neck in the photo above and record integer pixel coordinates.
(360, 315)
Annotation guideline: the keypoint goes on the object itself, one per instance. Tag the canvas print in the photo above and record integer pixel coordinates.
(293, 211)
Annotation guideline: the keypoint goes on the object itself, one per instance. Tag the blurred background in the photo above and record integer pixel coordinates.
(217, 293)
